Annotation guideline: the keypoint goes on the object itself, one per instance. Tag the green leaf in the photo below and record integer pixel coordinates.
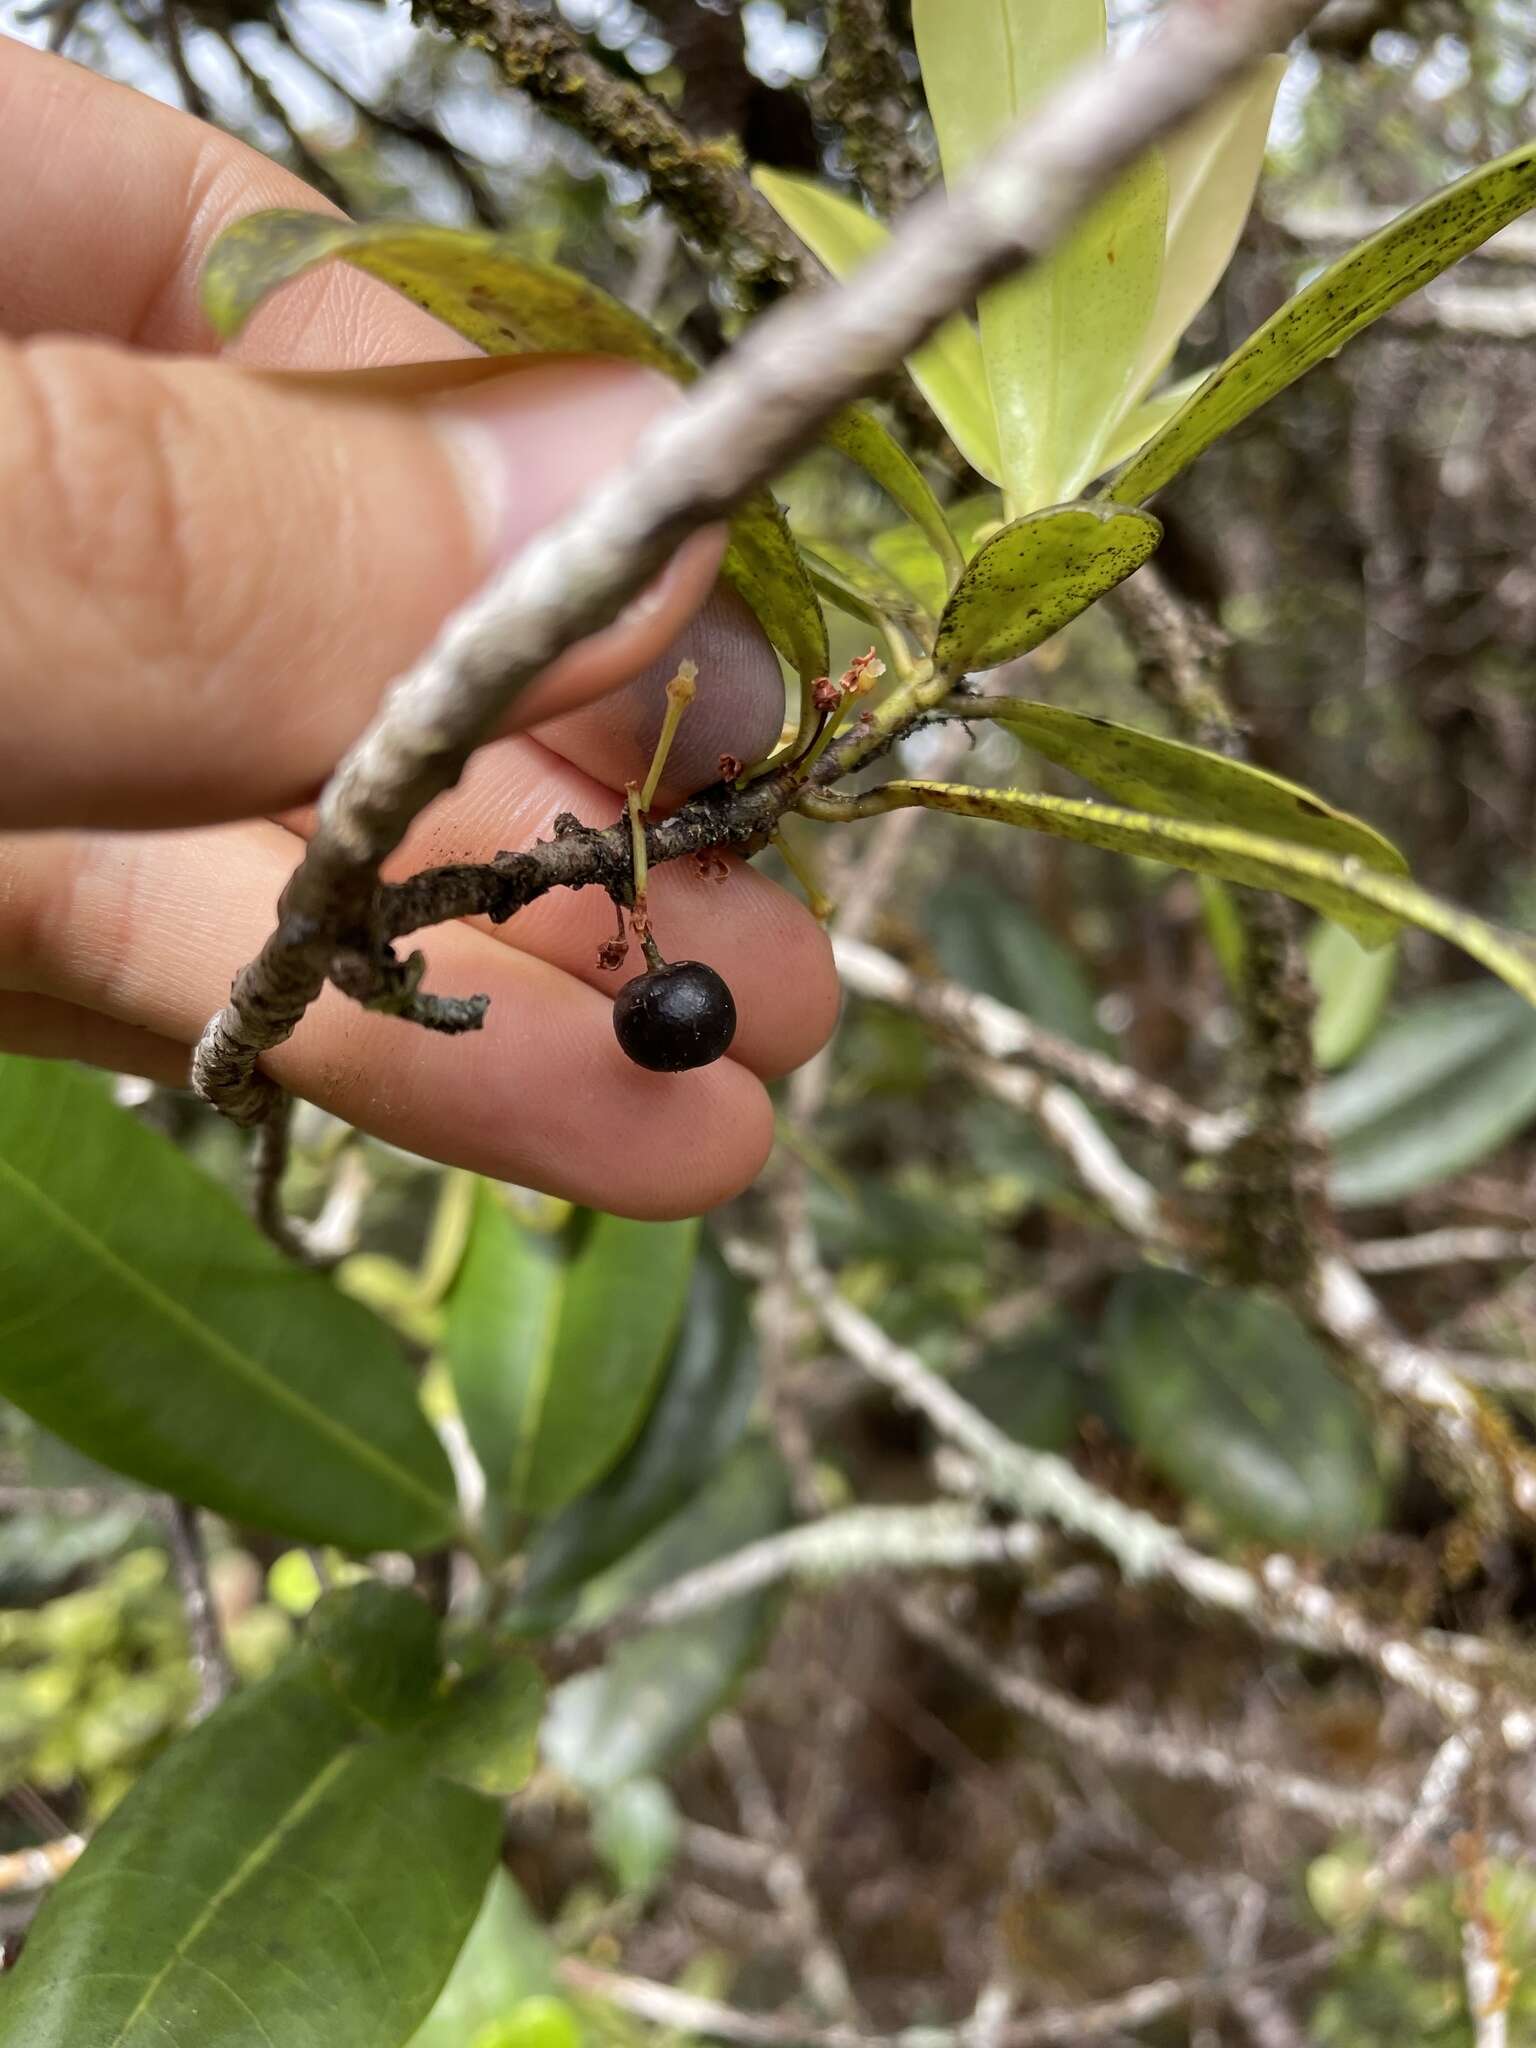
(485, 1735)
(948, 369)
(1213, 165)
(1033, 578)
(484, 287)
(1173, 780)
(1034, 1387)
(1231, 1401)
(856, 433)
(856, 586)
(556, 1344)
(764, 568)
(902, 552)
(1346, 297)
(150, 1324)
(696, 1421)
(986, 941)
(1060, 342)
(636, 1830)
(279, 1875)
(1367, 902)
(1445, 1082)
(645, 1703)
(1352, 986)
(378, 1646)
(1136, 427)
(508, 1958)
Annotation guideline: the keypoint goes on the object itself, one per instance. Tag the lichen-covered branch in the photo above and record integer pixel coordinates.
(1274, 1598)
(867, 93)
(700, 182)
(748, 416)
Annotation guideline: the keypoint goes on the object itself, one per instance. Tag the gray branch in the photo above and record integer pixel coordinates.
(741, 423)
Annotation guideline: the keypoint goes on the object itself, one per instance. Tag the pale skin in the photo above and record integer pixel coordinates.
(208, 575)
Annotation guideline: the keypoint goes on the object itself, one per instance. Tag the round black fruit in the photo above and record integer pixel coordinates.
(675, 1017)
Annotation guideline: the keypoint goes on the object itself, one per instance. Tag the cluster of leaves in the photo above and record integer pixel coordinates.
(617, 1455)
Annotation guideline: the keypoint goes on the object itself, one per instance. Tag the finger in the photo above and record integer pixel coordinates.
(208, 577)
(109, 203)
(737, 710)
(45, 1028)
(125, 924)
(774, 956)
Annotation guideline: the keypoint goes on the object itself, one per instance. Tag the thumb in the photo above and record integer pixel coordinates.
(208, 575)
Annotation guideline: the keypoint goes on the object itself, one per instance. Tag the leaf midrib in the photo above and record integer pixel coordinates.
(218, 1347)
(247, 1868)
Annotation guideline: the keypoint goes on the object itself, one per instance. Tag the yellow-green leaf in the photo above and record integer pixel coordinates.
(856, 586)
(1352, 986)
(1028, 581)
(1061, 342)
(856, 433)
(484, 287)
(1213, 165)
(1366, 901)
(1136, 427)
(1174, 780)
(902, 552)
(1346, 297)
(947, 369)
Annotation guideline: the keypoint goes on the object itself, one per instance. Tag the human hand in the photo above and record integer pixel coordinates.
(208, 575)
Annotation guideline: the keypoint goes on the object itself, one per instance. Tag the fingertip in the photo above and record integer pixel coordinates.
(737, 709)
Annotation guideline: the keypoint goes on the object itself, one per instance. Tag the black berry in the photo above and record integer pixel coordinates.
(675, 1017)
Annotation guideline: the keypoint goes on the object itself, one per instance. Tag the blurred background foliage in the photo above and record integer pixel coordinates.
(1369, 543)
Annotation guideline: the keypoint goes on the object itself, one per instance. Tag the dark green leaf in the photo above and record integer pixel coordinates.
(149, 1323)
(1030, 580)
(1317, 322)
(696, 1421)
(485, 1735)
(1173, 780)
(279, 1875)
(1232, 1402)
(484, 287)
(986, 941)
(653, 1692)
(1445, 1082)
(378, 1645)
(556, 1344)
(1034, 1386)
(508, 1958)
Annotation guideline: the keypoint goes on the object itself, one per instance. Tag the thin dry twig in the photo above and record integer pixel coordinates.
(856, 1543)
(210, 1660)
(1276, 1598)
(1122, 1742)
(823, 1971)
(1002, 1035)
(700, 183)
(1052, 2027)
